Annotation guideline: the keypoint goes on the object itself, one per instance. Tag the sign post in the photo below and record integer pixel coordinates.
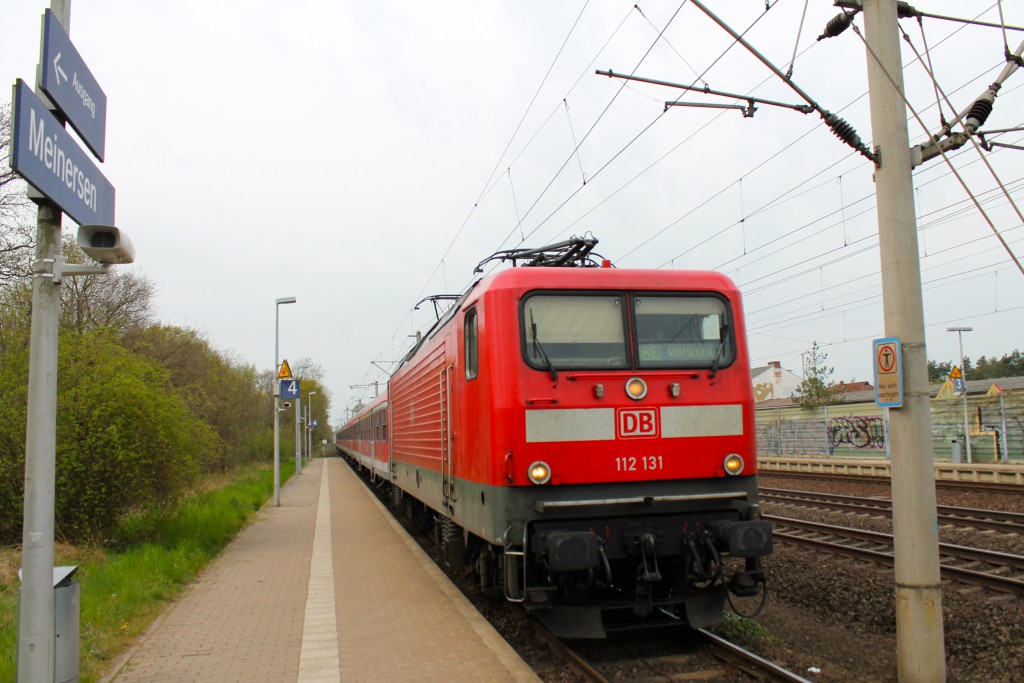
(50, 160)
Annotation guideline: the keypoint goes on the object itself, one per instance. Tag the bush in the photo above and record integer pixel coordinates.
(125, 439)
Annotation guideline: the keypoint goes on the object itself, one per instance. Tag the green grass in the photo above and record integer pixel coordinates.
(735, 627)
(145, 563)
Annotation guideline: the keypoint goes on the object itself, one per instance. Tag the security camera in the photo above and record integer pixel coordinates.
(285, 405)
(106, 244)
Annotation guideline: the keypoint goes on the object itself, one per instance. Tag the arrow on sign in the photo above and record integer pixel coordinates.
(60, 71)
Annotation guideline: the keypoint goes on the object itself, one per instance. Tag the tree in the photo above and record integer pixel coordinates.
(817, 389)
(125, 438)
(1009, 365)
(224, 393)
(938, 372)
(119, 300)
(17, 236)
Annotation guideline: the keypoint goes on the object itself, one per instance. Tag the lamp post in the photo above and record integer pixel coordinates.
(298, 435)
(309, 425)
(963, 376)
(277, 399)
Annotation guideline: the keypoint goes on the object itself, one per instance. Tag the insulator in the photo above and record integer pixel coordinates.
(845, 132)
(979, 113)
(904, 10)
(837, 25)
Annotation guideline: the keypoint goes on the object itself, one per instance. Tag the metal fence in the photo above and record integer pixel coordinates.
(995, 424)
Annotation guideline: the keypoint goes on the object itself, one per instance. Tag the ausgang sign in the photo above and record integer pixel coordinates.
(49, 158)
(67, 81)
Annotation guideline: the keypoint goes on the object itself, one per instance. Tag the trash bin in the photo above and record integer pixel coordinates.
(954, 451)
(66, 610)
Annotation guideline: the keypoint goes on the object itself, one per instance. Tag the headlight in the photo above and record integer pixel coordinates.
(733, 464)
(636, 388)
(539, 473)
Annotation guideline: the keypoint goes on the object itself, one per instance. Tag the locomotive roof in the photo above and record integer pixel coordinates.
(605, 278)
(527, 278)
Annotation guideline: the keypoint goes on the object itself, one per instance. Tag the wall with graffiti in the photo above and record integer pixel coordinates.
(995, 425)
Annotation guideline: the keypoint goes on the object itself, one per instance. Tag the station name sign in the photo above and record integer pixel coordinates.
(49, 158)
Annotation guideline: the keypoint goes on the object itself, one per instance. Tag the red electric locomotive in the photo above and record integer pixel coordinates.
(584, 438)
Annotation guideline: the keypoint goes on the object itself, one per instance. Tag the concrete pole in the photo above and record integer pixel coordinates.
(919, 635)
(298, 435)
(36, 614)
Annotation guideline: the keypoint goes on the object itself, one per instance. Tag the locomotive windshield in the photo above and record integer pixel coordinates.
(681, 331)
(574, 331)
(593, 331)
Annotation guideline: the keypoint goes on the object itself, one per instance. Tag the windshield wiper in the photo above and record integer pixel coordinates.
(538, 350)
(723, 338)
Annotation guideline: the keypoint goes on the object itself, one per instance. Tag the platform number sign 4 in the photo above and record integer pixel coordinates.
(290, 388)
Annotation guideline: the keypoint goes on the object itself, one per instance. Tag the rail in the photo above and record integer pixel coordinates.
(969, 476)
(991, 520)
(851, 543)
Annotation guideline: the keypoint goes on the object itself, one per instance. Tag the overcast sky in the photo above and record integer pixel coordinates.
(362, 155)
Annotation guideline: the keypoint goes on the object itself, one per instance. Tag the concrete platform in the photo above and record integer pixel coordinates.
(326, 587)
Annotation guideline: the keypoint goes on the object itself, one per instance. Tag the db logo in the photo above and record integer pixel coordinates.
(637, 424)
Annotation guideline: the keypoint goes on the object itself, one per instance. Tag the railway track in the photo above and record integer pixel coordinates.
(993, 520)
(882, 479)
(709, 657)
(996, 571)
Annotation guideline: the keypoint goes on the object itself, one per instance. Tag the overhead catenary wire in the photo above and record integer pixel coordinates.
(744, 212)
(635, 137)
(842, 129)
(945, 158)
(587, 135)
(674, 259)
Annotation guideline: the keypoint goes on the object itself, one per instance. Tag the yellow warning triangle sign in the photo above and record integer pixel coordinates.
(286, 372)
(954, 373)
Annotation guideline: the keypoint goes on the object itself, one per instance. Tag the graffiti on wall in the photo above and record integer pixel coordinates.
(764, 391)
(856, 431)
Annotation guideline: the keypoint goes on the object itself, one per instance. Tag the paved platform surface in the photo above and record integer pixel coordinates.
(326, 587)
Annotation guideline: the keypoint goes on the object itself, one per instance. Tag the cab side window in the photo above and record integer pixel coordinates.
(472, 342)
